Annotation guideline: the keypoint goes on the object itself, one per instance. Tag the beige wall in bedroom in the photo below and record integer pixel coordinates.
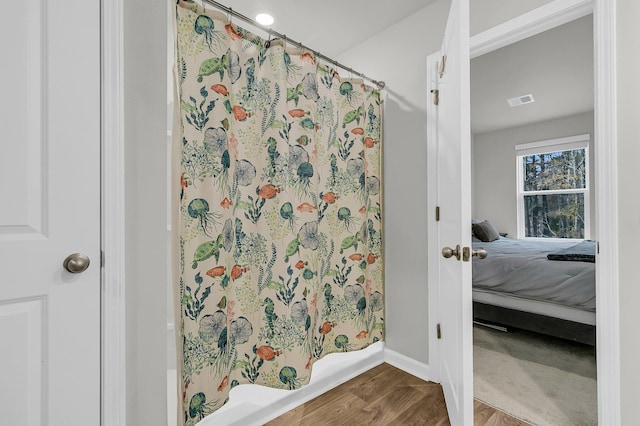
(494, 167)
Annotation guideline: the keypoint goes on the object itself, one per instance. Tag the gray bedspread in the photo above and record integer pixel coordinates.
(521, 268)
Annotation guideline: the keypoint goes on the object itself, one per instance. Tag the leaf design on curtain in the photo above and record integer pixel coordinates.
(279, 243)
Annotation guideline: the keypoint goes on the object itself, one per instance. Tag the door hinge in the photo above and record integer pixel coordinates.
(443, 64)
(438, 331)
(436, 96)
(101, 259)
(437, 213)
(598, 247)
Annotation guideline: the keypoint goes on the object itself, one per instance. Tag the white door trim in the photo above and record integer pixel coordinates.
(544, 18)
(433, 272)
(606, 185)
(553, 14)
(113, 354)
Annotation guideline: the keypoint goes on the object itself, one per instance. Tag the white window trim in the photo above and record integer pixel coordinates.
(544, 147)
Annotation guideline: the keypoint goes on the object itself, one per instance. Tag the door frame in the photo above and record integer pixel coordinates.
(538, 20)
(113, 337)
(433, 250)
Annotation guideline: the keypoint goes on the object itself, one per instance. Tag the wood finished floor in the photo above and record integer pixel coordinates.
(385, 395)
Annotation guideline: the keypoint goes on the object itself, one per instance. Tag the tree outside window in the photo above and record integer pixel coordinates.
(553, 190)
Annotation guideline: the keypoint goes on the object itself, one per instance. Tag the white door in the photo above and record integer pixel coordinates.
(49, 209)
(452, 133)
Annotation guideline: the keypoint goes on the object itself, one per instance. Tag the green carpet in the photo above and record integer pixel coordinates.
(539, 379)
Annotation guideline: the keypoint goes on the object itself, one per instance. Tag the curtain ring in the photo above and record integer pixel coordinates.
(230, 14)
(268, 43)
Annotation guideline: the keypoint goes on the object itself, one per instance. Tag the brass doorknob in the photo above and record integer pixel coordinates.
(447, 252)
(76, 263)
(480, 253)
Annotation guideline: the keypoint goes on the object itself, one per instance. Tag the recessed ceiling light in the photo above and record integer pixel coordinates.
(264, 19)
(521, 100)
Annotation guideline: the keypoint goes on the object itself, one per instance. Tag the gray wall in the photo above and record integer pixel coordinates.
(494, 167)
(628, 64)
(145, 86)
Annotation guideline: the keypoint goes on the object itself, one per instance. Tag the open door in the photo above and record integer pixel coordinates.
(449, 125)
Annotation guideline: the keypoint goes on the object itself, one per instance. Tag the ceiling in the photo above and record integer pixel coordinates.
(330, 27)
(555, 66)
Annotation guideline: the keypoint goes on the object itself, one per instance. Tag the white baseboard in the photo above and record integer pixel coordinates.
(256, 405)
(259, 405)
(408, 365)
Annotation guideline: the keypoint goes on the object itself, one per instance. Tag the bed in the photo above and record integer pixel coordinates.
(542, 286)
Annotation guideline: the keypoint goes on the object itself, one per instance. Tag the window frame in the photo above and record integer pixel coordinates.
(545, 147)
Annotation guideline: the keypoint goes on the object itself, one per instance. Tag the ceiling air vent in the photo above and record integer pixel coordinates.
(521, 100)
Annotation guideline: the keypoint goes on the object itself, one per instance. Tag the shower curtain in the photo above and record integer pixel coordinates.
(277, 220)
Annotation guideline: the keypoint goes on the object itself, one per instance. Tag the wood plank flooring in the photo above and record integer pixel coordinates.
(385, 395)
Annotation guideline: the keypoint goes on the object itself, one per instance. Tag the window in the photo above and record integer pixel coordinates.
(553, 188)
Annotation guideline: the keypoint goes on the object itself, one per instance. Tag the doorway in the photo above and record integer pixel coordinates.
(549, 16)
(521, 366)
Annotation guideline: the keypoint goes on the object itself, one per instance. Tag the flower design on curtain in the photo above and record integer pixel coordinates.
(279, 219)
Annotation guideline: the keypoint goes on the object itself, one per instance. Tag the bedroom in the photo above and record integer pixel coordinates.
(555, 67)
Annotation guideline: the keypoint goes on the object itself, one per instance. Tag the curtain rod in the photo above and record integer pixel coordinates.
(379, 84)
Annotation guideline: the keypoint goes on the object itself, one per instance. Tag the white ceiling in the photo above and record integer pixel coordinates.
(330, 27)
(556, 67)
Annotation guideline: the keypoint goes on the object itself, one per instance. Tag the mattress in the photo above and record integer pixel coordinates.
(539, 307)
(520, 269)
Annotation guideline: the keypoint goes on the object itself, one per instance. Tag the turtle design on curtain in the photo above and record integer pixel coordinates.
(277, 230)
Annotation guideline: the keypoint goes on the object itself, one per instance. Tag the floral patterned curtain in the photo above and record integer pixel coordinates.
(278, 202)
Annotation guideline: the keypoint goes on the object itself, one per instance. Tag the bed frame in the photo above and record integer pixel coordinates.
(557, 327)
